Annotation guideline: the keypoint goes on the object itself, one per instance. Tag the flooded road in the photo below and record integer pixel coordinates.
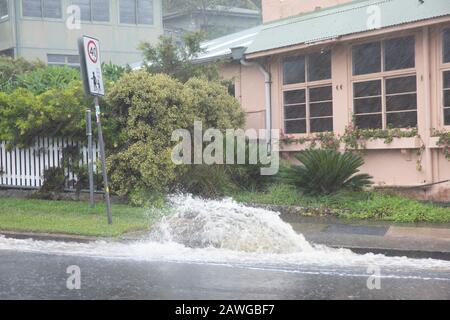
(207, 249)
(42, 276)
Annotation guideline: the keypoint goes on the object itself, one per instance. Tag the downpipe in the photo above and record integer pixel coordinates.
(267, 98)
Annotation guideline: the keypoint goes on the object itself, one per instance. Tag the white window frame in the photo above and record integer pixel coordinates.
(91, 20)
(443, 67)
(307, 85)
(136, 16)
(66, 60)
(5, 17)
(42, 12)
(383, 76)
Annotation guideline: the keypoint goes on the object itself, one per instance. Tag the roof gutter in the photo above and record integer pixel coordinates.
(238, 55)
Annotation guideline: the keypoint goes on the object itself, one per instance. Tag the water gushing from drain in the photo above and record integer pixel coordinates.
(228, 225)
(225, 232)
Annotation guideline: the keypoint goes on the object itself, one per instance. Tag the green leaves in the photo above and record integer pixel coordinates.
(177, 60)
(149, 108)
(43, 79)
(326, 172)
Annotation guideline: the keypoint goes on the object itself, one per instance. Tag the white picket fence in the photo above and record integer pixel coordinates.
(24, 168)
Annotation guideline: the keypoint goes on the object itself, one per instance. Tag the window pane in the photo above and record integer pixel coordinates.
(52, 8)
(368, 105)
(399, 53)
(128, 11)
(447, 98)
(446, 45)
(73, 59)
(373, 121)
(56, 58)
(367, 88)
(402, 120)
(447, 116)
(321, 94)
(294, 97)
(447, 80)
(100, 10)
(319, 66)
(294, 70)
(295, 112)
(85, 9)
(324, 109)
(3, 8)
(145, 11)
(295, 126)
(31, 8)
(401, 102)
(322, 125)
(399, 85)
(366, 58)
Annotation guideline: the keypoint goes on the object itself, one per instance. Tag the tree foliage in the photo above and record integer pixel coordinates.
(54, 113)
(11, 68)
(150, 108)
(177, 60)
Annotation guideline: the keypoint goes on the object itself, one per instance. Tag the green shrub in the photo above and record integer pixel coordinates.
(326, 172)
(214, 106)
(149, 108)
(11, 68)
(43, 79)
(54, 113)
(207, 181)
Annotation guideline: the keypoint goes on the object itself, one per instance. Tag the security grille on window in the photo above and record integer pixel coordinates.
(447, 98)
(72, 61)
(446, 75)
(3, 9)
(136, 12)
(308, 101)
(93, 10)
(446, 46)
(42, 8)
(389, 100)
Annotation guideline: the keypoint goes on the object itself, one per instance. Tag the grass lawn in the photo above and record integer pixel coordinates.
(352, 205)
(75, 218)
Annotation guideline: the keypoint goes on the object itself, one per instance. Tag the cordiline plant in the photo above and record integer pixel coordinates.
(323, 172)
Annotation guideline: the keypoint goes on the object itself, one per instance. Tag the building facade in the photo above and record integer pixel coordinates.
(380, 66)
(48, 29)
(217, 21)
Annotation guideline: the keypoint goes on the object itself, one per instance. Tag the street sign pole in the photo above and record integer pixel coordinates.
(91, 71)
(103, 159)
(90, 156)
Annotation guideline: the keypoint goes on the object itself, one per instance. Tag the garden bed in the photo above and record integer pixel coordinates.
(372, 205)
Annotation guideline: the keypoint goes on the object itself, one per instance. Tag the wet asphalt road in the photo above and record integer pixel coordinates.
(41, 276)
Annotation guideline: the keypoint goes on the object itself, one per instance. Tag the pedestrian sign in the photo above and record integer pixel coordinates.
(91, 67)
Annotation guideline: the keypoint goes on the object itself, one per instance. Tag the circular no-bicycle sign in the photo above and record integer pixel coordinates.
(92, 51)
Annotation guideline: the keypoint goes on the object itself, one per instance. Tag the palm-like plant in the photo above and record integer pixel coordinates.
(326, 172)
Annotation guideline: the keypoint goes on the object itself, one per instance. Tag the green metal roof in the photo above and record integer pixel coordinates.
(342, 20)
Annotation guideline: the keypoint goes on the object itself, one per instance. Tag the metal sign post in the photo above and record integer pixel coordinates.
(90, 157)
(91, 71)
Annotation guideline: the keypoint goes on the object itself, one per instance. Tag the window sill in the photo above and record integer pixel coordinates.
(397, 143)
(376, 144)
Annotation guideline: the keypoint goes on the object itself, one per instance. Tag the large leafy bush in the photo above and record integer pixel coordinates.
(11, 69)
(326, 172)
(149, 108)
(43, 79)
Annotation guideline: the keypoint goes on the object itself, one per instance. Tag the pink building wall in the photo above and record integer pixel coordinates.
(390, 165)
(279, 9)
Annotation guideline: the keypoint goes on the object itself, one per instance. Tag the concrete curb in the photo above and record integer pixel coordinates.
(390, 252)
(51, 237)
